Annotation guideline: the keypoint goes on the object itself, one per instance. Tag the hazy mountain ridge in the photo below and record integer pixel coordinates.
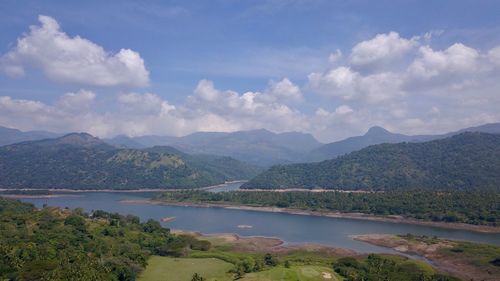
(262, 147)
(10, 135)
(259, 147)
(81, 161)
(379, 135)
(464, 161)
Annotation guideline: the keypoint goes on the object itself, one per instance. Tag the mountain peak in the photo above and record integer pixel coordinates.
(83, 139)
(377, 130)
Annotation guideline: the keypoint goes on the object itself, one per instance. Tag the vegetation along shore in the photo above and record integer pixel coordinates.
(478, 211)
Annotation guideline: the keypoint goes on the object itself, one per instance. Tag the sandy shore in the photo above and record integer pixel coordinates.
(360, 216)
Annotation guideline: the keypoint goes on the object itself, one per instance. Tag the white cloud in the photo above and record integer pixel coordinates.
(338, 82)
(208, 109)
(285, 91)
(382, 49)
(73, 59)
(335, 56)
(457, 59)
(343, 109)
(494, 56)
(424, 90)
(347, 84)
(80, 100)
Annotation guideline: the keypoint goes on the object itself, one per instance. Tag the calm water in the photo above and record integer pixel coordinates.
(291, 228)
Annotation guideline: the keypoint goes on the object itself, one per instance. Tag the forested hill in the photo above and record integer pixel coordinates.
(465, 161)
(379, 135)
(60, 244)
(81, 161)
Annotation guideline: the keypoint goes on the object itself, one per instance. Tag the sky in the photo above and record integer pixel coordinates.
(329, 68)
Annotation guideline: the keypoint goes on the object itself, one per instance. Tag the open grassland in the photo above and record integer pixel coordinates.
(303, 273)
(182, 269)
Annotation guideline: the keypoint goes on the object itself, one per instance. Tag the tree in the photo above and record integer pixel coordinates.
(197, 277)
(270, 260)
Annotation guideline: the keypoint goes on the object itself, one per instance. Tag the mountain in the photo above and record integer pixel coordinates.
(259, 147)
(227, 167)
(81, 161)
(464, 161)
(10, 136)
(378, 135)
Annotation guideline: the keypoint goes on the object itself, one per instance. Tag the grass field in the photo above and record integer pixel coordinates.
(302, 273)
(182, 269)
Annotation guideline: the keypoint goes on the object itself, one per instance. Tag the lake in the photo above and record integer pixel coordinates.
(290, 228)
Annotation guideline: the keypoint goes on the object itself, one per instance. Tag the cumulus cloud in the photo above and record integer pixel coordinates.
(405, 85)
(335, 56)
(73, 59)
(285, 90)
(207, 109)
(456, 59)
(408, 86)
(345, 83)
(494, 56)
(382, 49)
(249, 110)
(80, 100)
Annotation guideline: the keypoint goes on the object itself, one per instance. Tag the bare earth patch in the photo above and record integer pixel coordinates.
(265, 244)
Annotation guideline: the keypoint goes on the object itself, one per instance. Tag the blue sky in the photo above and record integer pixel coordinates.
(237, 65)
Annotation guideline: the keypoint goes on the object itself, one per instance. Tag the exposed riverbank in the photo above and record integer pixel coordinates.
(469, 261)
(41, 196)
(267, 244)
(68, 190)
(360, 216)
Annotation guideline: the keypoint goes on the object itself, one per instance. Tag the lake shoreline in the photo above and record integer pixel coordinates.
(330, 214)
(138, 190)
(268, 244)
(41, 196)
(436, 251)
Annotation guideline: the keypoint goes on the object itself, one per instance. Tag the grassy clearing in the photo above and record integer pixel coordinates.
(182, 269)
(303, 273)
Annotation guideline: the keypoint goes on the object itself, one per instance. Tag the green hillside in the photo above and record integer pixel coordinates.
(81, 161)
(465, 161)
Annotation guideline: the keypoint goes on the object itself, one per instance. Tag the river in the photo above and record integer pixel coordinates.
(288, 227)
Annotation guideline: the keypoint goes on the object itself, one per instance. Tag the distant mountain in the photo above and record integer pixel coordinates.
(378, 135)
(81, 161)
(10, 136)
(464, 161)
(259, 147)
(223, 166)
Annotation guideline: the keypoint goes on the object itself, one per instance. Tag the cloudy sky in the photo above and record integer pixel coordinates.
(329, 68)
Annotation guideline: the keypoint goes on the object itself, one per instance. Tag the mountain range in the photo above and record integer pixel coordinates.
(81, 161)
(257, 147)
(10, 136)
(378, 135)
(468, 161)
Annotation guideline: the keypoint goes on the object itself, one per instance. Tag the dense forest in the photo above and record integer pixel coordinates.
(80, 161)
(479, 207)
(469, 161)
(59, 244)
